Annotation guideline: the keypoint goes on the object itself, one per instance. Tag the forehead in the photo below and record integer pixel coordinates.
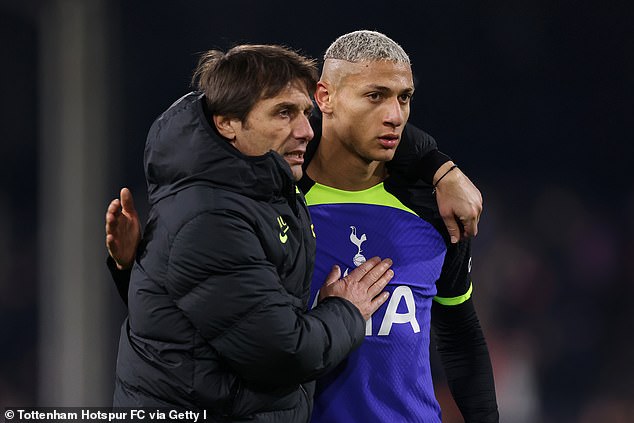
(394, 75)
(294, 93)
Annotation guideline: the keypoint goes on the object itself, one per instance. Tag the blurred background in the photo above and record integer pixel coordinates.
(533, 99)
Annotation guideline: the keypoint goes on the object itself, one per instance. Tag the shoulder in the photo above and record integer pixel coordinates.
(415, 143)
(417, 195)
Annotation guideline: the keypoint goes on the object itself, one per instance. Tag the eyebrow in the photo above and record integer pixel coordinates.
(293, 106)
(383, 89)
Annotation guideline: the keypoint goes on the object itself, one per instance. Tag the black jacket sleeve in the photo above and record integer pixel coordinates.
(417, 156)
(220, 277)
(121, 279)
(465, 358)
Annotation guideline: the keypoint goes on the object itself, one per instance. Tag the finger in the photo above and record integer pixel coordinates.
(111, 223)
(470, 227)
(109, 218)
(114, 206)
(452, 228)
(381, 283)
(333, 276)
(378, 301)
(376, 273)
(110, 244)
(127, 202)
(112, 212)
(358, 273)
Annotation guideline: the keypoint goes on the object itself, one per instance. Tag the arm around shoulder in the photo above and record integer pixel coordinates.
(417, 156)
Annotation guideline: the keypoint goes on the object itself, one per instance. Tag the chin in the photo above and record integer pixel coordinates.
(297, 172)
(385, 156)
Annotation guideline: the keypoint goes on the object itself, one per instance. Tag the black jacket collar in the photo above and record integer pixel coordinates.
(183, 150)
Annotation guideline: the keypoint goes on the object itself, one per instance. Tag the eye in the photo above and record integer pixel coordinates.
(285, 113)
(375, 96)
(405, 98)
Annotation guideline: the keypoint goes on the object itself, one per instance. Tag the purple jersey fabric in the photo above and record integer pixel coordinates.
(388, 379)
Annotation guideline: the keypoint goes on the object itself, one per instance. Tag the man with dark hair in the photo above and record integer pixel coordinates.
(217, 299)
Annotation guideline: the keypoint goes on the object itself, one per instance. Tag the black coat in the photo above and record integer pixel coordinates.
(218, 293)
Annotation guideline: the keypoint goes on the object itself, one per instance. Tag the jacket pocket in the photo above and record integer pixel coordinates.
(169, 365)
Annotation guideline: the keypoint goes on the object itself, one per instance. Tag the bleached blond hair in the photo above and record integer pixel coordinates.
(364, 45)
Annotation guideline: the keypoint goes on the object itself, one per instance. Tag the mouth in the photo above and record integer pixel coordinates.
(389, 140)
(294, 158)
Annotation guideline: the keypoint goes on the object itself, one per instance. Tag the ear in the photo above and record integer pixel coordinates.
(226, 127)
(323, 97)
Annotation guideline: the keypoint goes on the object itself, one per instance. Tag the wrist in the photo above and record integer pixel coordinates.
(113, 265)
(119, 266)
(442, 171)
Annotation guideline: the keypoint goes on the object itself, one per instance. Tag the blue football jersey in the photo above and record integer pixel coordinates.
(388, 378)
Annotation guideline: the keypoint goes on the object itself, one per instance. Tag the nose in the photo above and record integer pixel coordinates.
(395, 114)
(303, 131)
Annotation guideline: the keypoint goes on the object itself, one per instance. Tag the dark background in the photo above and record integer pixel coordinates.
(533, 99)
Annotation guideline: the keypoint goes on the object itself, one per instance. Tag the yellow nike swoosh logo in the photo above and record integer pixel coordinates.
(283, 229)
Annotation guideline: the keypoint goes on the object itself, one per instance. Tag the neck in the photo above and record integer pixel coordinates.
(337, 166)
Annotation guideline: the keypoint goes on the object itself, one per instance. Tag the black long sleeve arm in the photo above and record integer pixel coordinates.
(121, 279)
(465, 358)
